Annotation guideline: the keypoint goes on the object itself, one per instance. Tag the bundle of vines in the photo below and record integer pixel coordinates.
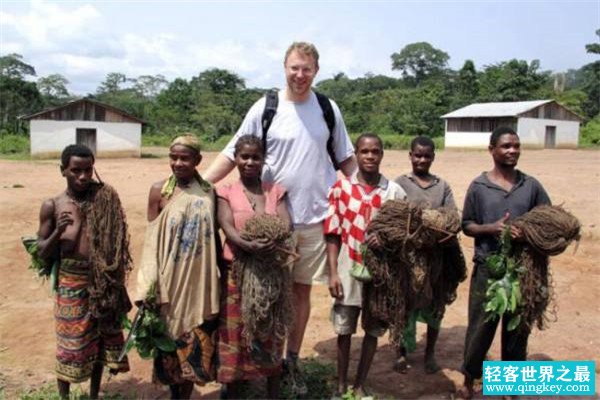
(522, 280)
(419, 263)
(265, 282)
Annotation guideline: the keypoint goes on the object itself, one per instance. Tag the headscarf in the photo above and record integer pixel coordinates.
(187, 140)
(190, 141)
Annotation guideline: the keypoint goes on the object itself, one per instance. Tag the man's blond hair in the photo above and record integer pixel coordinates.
(308, 49)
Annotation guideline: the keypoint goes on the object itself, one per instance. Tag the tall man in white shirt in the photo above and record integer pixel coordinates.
(297, 158)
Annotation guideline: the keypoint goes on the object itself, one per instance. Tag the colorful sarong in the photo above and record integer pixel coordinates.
(194, 359)
(80, 343)
(235, 359)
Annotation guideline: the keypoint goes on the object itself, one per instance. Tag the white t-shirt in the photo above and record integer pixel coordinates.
(297, 156)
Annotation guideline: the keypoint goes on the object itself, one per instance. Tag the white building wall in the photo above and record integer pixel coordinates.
(532, 132)
(49, 137)
(473, 140)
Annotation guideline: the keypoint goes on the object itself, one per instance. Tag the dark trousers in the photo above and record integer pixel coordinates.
(480, 334)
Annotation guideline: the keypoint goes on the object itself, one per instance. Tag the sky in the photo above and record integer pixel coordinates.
(86, 40)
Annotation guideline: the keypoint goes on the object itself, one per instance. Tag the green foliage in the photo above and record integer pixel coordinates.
(590, 133)
(590, 77)
(149, 335)
(503, 293)
(420, 60)
(14, 145)
(13, 66)
(17, 95)
(513, 80)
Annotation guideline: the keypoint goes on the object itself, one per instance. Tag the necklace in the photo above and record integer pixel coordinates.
(251, 199)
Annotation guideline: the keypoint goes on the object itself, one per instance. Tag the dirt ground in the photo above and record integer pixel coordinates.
(27, 341)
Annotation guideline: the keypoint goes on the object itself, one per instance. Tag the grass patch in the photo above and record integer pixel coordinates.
(14, 147)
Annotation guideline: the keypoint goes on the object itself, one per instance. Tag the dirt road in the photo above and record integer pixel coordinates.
(27, 341)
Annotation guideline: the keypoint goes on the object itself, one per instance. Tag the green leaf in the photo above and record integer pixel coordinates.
(514, 322)
(164, 343)
(502, 300)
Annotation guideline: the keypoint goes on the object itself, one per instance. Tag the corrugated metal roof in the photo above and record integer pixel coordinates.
(502, 109)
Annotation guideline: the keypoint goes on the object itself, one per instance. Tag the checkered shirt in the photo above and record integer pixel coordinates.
(351, 209)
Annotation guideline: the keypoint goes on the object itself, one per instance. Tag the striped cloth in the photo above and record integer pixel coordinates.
(80, 344)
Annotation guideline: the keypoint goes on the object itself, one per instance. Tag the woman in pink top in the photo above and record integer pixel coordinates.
(237, 202)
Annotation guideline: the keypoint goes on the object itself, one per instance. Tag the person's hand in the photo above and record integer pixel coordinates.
(64, 219)
(516, 233)
(335, 287)
(372, 241)
(499, 226)
(258, 245)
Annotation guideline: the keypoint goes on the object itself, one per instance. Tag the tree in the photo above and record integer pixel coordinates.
(593, 48)
(112, 83)
(12, 66)
(17, 95)
(53, 89)
(467, 85)
(420, 60)
(150, 86)
(590, 79)
(218, 81)
(513, 80)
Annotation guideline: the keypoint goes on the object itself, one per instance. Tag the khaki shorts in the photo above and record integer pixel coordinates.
(345, 321)
(310, 245)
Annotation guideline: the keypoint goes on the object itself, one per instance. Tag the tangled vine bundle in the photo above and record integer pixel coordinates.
(109, 253)
(419, 256)
(547, 231)
(265, 282)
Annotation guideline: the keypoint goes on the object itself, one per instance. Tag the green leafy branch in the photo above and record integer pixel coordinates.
(503, 293)
(150, 336)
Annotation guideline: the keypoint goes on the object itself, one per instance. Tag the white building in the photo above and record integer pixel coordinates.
(106, 130)
(539, 124)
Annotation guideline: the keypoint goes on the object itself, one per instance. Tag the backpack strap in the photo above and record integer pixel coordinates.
(271, 103)
(329, 117)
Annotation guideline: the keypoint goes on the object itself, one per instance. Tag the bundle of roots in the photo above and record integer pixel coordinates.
(547, 231)
(419, 257)
(109, 254)
(265, 282)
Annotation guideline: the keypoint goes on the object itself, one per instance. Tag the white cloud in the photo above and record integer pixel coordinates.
(47, 25)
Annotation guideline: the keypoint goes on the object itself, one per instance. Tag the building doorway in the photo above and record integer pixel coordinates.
(550, 138)
(86, 137)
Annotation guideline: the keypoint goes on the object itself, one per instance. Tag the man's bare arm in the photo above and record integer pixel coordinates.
(219, 169)
(348, 166)
(50, 230)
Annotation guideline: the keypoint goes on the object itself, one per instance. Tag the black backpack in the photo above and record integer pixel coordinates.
(271, 104)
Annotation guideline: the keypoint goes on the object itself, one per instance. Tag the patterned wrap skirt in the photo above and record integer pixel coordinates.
(235, 361)
(194, 359)
(80, 344)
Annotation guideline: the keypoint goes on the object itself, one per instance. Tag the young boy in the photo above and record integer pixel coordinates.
(429, 191)
(89, 298)
(352, 204)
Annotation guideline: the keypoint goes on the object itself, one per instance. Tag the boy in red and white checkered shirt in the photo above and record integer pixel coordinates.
(352, 204)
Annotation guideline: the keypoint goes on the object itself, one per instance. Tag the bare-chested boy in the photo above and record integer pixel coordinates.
(90, 293)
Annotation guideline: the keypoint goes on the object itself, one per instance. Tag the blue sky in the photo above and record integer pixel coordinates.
(86, 40)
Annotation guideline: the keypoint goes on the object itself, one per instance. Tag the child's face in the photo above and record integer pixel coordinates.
(249, 161)
(421, 159)
(369, 155)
